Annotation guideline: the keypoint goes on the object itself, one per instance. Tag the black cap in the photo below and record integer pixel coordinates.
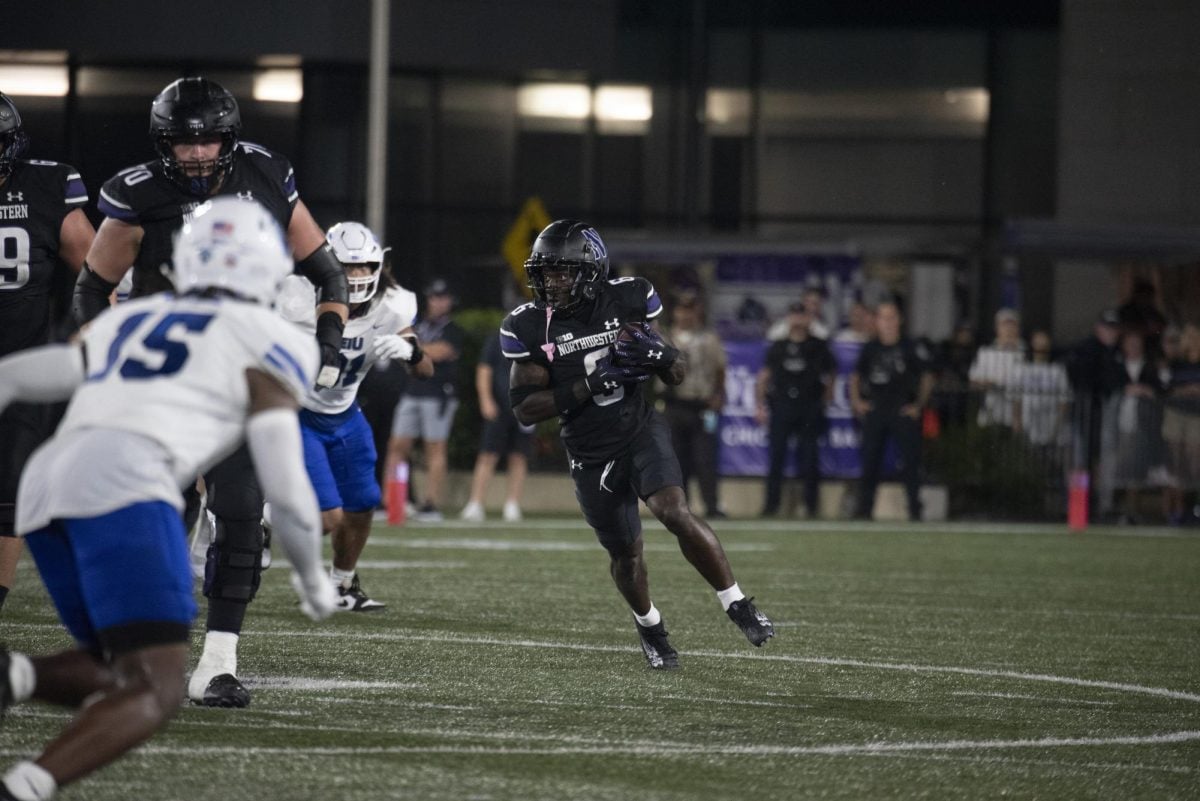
(437, 286)
(1109, 317)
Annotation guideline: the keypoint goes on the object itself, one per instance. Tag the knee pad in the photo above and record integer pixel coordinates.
(191, 507)
(233, 567)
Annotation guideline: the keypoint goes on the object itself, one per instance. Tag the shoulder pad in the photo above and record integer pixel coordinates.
(285, 351)
(274, 165)
(639, 294)
(297, 300)
(515, 332)
(126, 194)
(402, 303)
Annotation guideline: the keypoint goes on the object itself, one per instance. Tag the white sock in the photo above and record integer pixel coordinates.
(729, 595)
(28, 781)
(651, 618)
(341, 578)
(220, 653)
(21, 677)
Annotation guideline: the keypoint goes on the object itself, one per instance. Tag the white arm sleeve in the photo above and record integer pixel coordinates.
(41, 375)
(274, 440)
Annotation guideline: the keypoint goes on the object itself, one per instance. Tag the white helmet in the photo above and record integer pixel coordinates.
(231, 244)
(354, 244)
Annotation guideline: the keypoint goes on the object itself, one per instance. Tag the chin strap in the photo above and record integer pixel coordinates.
(548, 348)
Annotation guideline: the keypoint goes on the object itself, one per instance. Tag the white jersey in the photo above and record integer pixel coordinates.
(390, 313)
(164, 399)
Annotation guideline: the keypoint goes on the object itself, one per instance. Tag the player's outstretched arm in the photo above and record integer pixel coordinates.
(41, 375)
(110, 256)
(404, 346)
(273, 435)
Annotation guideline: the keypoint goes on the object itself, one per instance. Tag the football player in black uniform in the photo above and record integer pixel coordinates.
(195, 125)
(569, 361)
(41, 224)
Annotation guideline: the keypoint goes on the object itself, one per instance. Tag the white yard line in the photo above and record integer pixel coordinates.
(682, 750)
(407, 564)
(301, 683)
(808, 660)
(587, 543)
(819, 527)
(1038, 698)
(1073, 767)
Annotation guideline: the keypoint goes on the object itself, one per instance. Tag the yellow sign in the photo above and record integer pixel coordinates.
(519, 239)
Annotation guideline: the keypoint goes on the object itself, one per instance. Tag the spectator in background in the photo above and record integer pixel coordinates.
(994, 370)
(793, 389)
(1138, 413)
(1095, 375)
(814, 301)
(1043, 395)
(693, 407)
(502, 435)
(1142, 315)
(1181, 428)
(888, 391)
(957, 354)
(860, 325)
(427, 409)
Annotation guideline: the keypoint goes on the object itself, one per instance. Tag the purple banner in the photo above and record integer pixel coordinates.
(743, 447)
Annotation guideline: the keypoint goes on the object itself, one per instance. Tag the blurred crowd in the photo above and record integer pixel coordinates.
(1122, 405)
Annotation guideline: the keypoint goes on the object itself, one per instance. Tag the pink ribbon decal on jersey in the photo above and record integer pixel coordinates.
(548, 348)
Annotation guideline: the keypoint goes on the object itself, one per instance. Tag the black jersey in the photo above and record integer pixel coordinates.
(798, 371)
(568, 345)
(143, 195)
(890, 375)
(34, 200)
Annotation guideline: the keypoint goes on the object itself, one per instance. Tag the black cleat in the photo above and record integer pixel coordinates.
(753, 623)
(353, 599)
(657, 648)
(224, 690)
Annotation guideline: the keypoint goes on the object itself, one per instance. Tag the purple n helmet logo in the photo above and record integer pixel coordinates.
(598, 249)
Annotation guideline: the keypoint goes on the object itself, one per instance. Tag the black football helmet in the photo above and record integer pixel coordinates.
(568, 264)
(13, 139)
(191, 108)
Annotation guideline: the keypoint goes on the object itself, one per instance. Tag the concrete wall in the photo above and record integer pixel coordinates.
(1129, 121)
(1129, 112)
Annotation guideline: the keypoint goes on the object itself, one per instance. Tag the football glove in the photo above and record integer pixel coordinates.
(608, 375)
(329, 338)
(393, 346)
(318, 598)
(639, 345)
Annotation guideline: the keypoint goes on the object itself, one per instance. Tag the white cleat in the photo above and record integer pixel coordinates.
(472, 513)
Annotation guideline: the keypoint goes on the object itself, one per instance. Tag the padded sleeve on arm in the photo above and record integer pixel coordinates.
(41, 375)
(274, 439)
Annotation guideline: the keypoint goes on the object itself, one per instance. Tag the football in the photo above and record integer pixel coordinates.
(625, 332)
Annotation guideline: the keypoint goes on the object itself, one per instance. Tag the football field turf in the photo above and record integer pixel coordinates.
(953, 661)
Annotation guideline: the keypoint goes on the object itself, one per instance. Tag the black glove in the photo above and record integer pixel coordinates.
(639, 345)
(608, 375)
(329, 339)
